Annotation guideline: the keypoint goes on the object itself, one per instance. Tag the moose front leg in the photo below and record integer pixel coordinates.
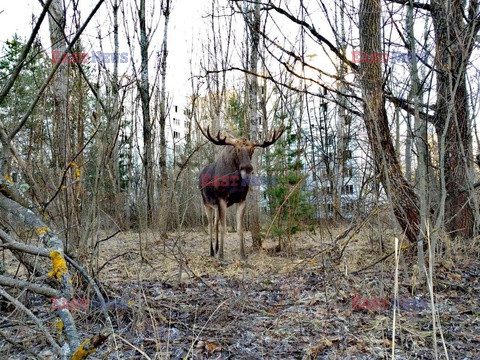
(216, 230)
(240, 215)
(222, 219)
(209, 211)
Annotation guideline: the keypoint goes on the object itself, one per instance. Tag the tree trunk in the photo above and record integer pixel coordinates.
(421, 142)
(63, 132)
(144, 89)
(115, 124)
(454, 42)
(163, 117)
(404, 200)
(253, 120)
(342, 136)
(59, 85)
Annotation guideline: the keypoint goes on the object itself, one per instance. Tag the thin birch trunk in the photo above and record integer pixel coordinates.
(421, 146)
(163, 117)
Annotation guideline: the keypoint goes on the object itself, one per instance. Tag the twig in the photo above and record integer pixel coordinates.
(42, 328)
(20, 346)
(135, 347)
(92, 283)
(107, 238)
(373, 264)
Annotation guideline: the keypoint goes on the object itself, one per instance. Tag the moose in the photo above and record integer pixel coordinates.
(226, 182)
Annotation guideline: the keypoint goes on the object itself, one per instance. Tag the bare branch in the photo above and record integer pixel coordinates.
(408, 107)
(39, 324)
(11, 244)
(416, 5)
(26, 285)
(52, 73)
(21, 61)
(313, 31)
(291, 87)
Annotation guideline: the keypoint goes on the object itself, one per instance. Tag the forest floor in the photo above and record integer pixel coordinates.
(173, 301)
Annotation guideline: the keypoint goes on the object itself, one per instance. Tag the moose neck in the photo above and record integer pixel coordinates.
(226, 162)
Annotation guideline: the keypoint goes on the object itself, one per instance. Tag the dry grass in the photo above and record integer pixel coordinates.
(287, 305)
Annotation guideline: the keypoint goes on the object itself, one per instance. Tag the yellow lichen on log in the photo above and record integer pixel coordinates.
(9, 178)
(84, 350)
(59, 326)
(89, 346)
(42, 230)
(59, 265)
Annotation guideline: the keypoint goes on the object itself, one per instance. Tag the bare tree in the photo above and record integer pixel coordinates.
(59, 85)
(252, 125)
(22, 210)
(163, 118)
(144, 89)
(404, 200)
(456, 28)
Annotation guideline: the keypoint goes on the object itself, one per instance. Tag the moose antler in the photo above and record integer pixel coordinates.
(275, 136)
(218, 140)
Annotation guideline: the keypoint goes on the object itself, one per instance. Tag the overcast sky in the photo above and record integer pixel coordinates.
(186, 24)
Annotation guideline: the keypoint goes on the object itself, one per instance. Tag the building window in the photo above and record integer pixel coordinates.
(330, 140)
(347, 171)
(323, 109)
(185, 123)
(176, 108)
(176, 121)
(348, 207)
(347, 189)
(176, 135)
(330, 207)
(347, 155)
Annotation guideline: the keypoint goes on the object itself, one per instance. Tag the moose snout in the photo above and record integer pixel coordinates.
(246, 170)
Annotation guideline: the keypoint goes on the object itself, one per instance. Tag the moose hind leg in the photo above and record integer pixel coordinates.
(216, 230)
